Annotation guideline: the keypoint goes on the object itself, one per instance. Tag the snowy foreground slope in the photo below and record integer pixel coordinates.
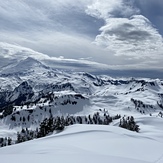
(89, 143)
(31, 89)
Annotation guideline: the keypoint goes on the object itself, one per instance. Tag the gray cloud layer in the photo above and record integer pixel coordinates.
(124, 34)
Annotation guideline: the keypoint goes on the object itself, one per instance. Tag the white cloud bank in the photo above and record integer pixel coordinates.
(126, 31)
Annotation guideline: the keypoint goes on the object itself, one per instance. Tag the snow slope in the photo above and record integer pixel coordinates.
(36, 90)
(87, 143)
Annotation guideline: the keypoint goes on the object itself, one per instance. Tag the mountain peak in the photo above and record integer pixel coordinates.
(26, 65)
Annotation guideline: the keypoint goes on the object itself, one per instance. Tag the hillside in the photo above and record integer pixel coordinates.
(91, 106)
(89, 143)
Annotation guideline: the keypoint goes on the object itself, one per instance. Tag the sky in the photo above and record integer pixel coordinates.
(120, 34)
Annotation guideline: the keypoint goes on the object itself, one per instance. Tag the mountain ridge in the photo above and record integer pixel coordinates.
(31, 88)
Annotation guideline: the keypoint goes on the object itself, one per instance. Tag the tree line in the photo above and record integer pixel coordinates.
(58, 124)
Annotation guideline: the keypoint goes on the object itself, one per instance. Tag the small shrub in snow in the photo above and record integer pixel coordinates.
(129, 123)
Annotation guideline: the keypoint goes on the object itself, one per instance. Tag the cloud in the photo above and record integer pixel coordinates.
(105, 9)
(122, 34)
(126, 32)
(153, 10)
(10, 55)
(10, 51)
(52, 27)
(59, 15)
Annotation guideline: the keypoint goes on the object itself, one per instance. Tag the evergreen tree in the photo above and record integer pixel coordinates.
(9, 141)
(129, 123)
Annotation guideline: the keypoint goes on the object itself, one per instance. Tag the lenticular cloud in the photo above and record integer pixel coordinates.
(126, 31)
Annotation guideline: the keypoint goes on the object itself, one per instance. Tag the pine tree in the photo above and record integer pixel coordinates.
(9, 141)
(129, 123)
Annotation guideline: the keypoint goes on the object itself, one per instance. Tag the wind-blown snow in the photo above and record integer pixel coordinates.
(88, 143)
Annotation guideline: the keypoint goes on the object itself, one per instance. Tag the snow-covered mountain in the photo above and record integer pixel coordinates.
(30, 81)
(31, 90)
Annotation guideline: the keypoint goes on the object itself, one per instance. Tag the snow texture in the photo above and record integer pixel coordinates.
(37, 90)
